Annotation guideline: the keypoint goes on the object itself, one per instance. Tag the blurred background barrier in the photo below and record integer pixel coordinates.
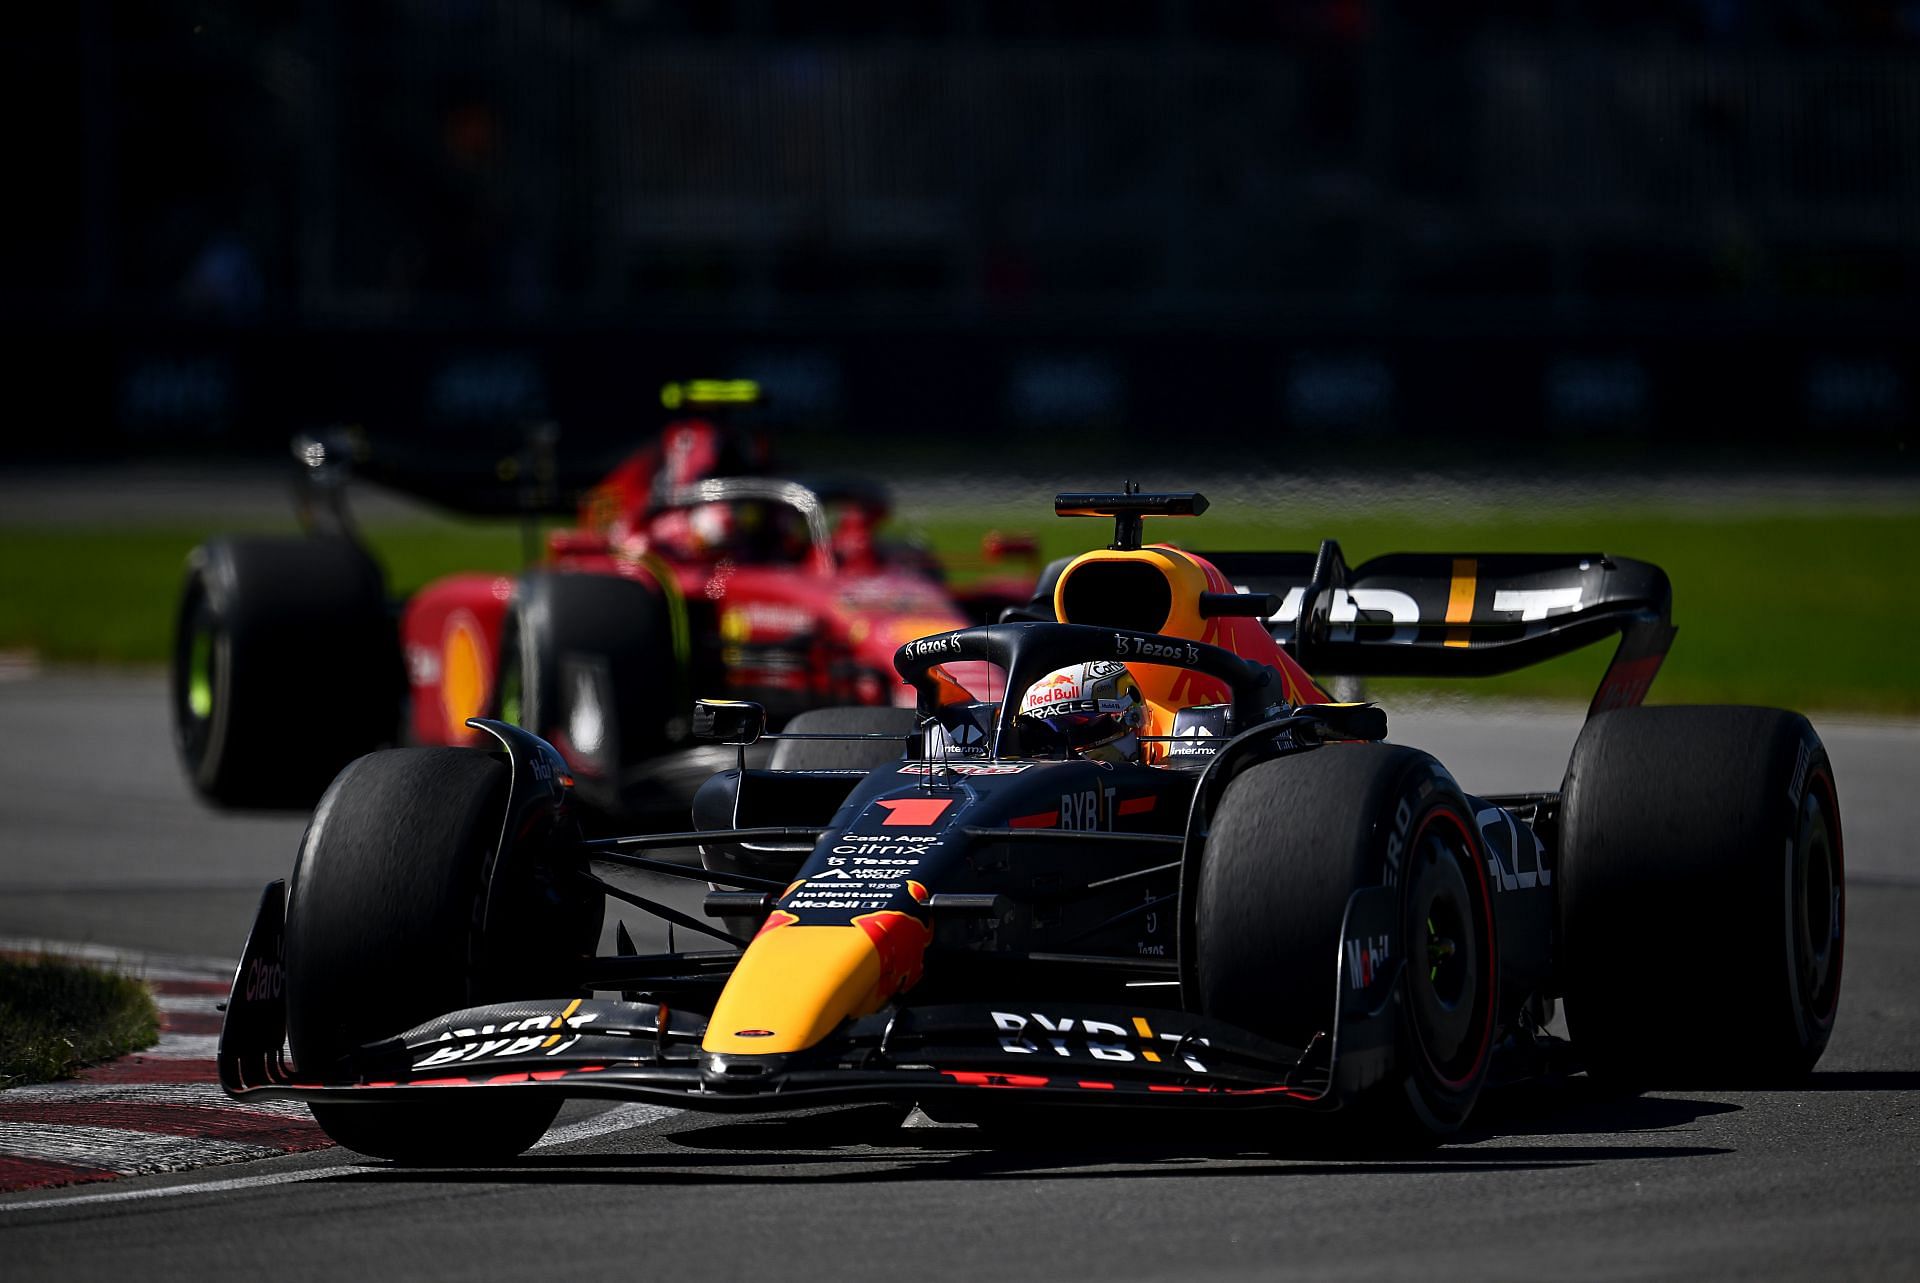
(1662, 228)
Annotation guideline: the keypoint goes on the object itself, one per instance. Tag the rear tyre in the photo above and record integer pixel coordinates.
(1702, 896)
(589, 664)
(286, 667)
(814, 755)
(384, 932)
(1291, 841)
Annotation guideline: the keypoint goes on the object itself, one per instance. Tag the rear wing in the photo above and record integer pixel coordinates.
(484, 475)
(1411, 614)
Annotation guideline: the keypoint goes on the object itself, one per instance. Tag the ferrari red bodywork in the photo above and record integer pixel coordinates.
(785, 592)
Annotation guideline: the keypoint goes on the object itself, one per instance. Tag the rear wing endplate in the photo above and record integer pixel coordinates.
(1462, 615)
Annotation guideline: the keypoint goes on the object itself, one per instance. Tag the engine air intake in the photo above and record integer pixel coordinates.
(1117, 594)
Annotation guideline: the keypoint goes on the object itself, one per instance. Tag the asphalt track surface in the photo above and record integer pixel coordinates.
(99, 841)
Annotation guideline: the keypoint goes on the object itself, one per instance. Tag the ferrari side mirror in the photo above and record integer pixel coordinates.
(996, 546)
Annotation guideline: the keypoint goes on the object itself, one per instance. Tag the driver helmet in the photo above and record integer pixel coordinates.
(702, 532)
(713, 526)
(1092, 710)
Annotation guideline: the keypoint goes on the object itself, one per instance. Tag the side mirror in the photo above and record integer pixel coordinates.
(1245, 605)
(1349, 721)
(729, 721)
(997, 546)
(577, 543)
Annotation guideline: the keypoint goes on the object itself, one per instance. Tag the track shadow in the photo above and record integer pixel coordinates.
(1567, 1106)
(817, 1149)
(1579, 1106)
(789, 1168)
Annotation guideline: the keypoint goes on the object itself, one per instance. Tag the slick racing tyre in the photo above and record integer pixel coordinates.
(1291, 841)
(383, 932)
(1702, 896)
(590, 663)
(814, 755)
(286, 667)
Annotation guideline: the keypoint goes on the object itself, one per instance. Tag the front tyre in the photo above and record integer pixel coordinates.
(1291, 841)
(1702, 896)
(286, 667)
(384, 932)
(590, 663)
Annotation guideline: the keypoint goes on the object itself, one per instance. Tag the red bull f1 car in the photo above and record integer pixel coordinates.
(1124, 852)
(690, 570)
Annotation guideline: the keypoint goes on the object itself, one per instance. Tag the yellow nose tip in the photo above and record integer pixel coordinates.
(795, 984)
(791, 987)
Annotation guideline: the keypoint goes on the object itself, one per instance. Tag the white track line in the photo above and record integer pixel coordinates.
(115, 1149)
(199, 1187)
(620, 1118)
(205, 1004)
(181, 1047)
(207, 1095)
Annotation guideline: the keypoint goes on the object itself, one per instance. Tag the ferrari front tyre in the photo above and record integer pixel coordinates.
(286, 667)
(384, 931)
(588, 662)
(1702, 896)
(1290, 842)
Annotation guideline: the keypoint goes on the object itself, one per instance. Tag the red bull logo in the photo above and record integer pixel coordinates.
(901, 940)
(777, 919)
(1056, 689)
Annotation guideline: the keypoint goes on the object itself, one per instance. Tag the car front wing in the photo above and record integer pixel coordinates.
(1067, 1052)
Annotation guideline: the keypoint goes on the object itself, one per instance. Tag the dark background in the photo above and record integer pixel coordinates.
(1326, 231)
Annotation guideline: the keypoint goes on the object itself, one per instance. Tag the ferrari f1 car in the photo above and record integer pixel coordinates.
(690, 571)
(1144, 862)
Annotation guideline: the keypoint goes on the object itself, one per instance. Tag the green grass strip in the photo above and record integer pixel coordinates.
(1809, 608)
(57, 1017)
(109, 595)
